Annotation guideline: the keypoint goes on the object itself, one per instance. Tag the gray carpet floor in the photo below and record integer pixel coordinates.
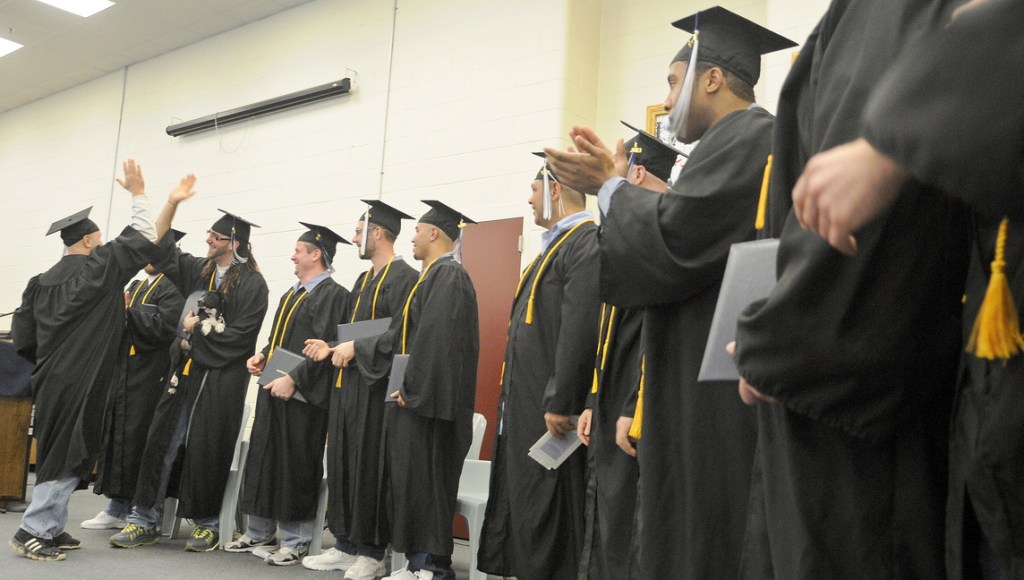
(97, 560)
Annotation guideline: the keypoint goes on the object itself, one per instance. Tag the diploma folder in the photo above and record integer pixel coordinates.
(749, 276)
(191, 305)
(282, 362)
(363, 329)
(397, 378)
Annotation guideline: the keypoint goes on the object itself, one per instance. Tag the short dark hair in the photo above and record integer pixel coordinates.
(739, 87)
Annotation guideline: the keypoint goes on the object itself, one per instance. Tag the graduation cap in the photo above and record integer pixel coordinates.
(178, 234)
(445, 218)
(323, 238)
(238, 229)
(655, 155)
(546, 175)
(385, 216)
(730, 41)
(74, 227)
(234, 226)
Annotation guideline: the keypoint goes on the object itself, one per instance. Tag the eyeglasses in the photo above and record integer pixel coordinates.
(210, 234)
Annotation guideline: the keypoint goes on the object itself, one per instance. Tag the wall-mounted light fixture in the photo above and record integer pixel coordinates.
(291, 100)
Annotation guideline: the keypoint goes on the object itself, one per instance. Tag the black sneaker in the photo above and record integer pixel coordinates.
(64, 541)
(202, 540)
(35, 547)
(133, 536)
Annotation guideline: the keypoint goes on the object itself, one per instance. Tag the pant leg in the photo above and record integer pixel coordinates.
(441, 566)
(295, 534)
(150, 516)
(47, 515)
(211, 523)
(118, 507)
(260, 529)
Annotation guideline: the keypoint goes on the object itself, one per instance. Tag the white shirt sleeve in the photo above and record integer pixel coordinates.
(142, 220)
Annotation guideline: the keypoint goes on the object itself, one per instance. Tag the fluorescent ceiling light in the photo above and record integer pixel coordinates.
(84, 8)
(8, 46)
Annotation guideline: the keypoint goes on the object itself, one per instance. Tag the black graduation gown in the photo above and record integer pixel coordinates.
(968, 138)
(426, 441)
(608, 548)
(356, 419)
(212, 393)
(144, 357)
(533, 526)
(698, 439)
(285, 461)
(70, 323)
(860, 351)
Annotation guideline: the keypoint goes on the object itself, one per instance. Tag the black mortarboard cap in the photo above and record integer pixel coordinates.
(385, 216)
(655, 155)
(232, 225)
(730, 41)
(445, 218)
(322, 237)
(74, 227)
(178, 234)
(545, 167)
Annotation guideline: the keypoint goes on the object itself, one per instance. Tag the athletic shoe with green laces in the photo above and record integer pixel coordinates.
(133, 536)
(35, 547)
(202, 540)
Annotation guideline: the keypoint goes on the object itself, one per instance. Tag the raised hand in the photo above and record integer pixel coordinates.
(133, 180)
(183, 191)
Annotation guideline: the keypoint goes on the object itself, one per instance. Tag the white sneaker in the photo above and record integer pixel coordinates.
(264, 552)
(332, 559)
(405, 574)
(287, 556)
(366, 568)
(104, 521)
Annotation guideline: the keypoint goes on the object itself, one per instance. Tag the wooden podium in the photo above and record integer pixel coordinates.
(15, 414)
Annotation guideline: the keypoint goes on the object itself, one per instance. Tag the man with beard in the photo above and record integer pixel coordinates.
(668, 254)
(356, 418)
(191, 441)
(533, 521)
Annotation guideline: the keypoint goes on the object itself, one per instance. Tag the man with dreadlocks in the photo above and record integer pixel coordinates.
(198, 417)
(285, 463)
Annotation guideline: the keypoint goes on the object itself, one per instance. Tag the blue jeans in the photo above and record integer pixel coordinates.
(47, 515)
(293, 534)
(352, 548)
(118, 507)
(441, 566)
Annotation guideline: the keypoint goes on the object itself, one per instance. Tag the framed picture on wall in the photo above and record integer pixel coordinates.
(657, 123)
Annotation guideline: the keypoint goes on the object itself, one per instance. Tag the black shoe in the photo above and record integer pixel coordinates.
(202, 540)
(133, 536)
(64, 541)
(35, 547)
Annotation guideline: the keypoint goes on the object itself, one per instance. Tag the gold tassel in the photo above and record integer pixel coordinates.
(131, 352)
(188, 365)
(762, 203)
(996, 332)
(637, 428)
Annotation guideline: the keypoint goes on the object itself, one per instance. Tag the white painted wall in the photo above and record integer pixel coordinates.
(475, 86)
